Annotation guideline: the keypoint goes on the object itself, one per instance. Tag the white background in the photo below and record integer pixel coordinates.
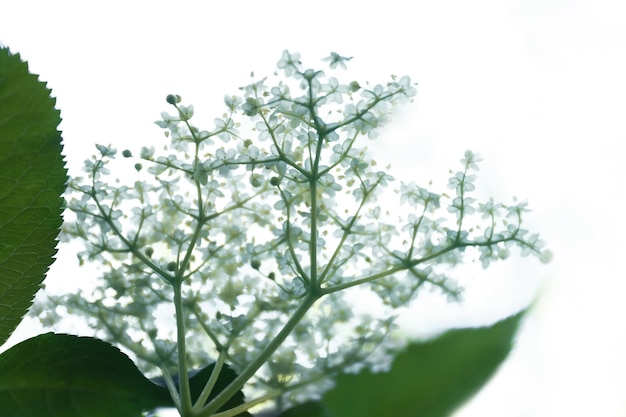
(537, 87)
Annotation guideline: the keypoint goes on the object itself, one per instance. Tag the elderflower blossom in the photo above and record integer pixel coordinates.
(274, 209)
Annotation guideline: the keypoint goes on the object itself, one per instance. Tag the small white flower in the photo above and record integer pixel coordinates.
(337, 60)
(290, 63)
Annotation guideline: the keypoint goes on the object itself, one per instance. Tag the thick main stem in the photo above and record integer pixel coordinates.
(314, 212)
(313, 242)
(184, 390)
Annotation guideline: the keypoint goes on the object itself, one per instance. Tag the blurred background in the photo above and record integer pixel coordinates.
(536, 87)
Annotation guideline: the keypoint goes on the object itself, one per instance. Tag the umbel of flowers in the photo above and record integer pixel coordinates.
(249, 236)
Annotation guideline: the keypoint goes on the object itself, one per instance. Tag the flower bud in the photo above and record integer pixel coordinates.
(354, 86)
(256, 180)
(126, 153)
(173, 99)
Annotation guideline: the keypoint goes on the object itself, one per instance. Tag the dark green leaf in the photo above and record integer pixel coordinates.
(32, 179)
(429, 379)
(55, 375)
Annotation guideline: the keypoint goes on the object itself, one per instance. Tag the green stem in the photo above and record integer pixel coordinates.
(369, 278)
(206, 391)
(408, 264)
(263, 357)
(171, 387)
(235, 411)
(133, 248)
(184, 390)
(346, 232)
(290, 247)
(313, 244)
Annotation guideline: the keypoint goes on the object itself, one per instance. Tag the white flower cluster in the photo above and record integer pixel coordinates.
(248, 225)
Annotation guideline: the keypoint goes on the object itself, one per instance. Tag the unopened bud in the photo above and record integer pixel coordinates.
(173, 99)
(354, 86)
(256, 180)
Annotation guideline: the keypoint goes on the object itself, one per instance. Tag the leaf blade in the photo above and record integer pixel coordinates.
(32, 179)
(51, 375)
(430, 379)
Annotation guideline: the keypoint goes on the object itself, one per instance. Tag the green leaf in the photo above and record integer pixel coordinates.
(429, 379)
(32, 179)
(55, 375)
